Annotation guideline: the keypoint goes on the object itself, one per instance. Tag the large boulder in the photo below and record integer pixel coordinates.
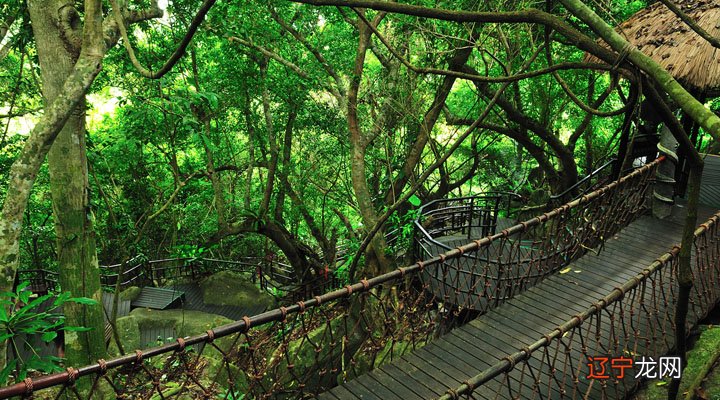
(227, 288)
(129, 333)
(130, 294)
(184, 323)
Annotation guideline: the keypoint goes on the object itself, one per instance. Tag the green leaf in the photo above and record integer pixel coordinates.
(83, 300)
(24, 296)
(36, 302)
(9, 368)
(414, 200)
(3, 314)
(22, 286)
(61, 298)
(48, 337)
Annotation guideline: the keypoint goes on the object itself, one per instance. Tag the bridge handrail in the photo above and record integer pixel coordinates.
(280, 315)
(139, 270)
(428, 210)
(521, 259)
(574, 191)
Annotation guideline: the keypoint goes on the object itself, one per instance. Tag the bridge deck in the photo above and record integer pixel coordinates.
(466, 351)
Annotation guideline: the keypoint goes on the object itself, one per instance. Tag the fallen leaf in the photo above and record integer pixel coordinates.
(565, 271)
(661, 383)
(577, 271)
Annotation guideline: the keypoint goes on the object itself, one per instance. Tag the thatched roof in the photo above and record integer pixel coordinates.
(660, 34)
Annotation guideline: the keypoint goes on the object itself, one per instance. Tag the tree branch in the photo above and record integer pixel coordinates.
(179, 51)
(69, 27)
(270, 54)
(5, 26)
(391, 209)
(482, 78)
(530, 15)
(524, 140)
(318, 56)
(20, 113)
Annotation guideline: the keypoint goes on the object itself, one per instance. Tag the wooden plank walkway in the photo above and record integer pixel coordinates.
(710, 189)
(466, 351)
(194, 301)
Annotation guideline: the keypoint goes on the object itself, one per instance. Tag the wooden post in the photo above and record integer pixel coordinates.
(684, 273)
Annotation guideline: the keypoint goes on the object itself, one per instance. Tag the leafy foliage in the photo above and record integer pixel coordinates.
(30, 316)
(182, 165)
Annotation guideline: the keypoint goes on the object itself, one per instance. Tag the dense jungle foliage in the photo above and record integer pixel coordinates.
(259, 128)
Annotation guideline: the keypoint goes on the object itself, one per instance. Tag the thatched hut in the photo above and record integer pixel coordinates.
(663, 36)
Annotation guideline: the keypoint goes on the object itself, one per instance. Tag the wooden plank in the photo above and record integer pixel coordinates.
(540, 371)
(369, 382)
(327, 396)
(442, 379)
(524, 338)
(530, 305)
(342, 392)
(398, 388)
(441, 364)
(466, 366)
(472, 351)
(499, 351)
(420, 387)
(522, 335)
(499, 345)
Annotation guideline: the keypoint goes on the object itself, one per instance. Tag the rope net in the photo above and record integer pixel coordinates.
(310, 346)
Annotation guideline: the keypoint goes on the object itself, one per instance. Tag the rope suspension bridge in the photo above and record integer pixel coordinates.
(516, 313)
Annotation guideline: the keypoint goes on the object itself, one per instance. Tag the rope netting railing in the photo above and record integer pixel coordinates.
(521, 256)
(308, 347)
(632, 324)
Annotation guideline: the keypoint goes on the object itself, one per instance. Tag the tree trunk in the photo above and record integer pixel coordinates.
(684, 273)
(77, 257)
(285, 164)
(272, 141)
(251, 153)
